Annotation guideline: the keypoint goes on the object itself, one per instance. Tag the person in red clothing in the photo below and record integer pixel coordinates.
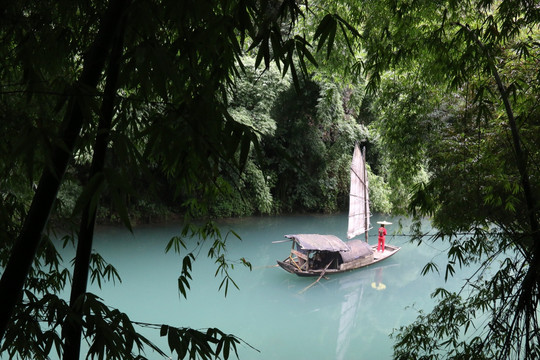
(382, 237)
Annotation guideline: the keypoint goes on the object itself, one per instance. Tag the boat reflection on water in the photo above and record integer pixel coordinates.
(378, 284)
(354, 288)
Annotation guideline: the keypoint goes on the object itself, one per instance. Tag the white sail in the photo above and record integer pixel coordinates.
(358, 198)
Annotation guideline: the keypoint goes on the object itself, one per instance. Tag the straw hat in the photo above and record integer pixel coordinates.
(384, 222)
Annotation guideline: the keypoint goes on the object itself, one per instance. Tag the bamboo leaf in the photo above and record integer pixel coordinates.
(163, 330)
(323, 30)
(331, 38)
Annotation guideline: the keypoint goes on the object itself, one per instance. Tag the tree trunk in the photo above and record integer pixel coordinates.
(73, 327)
(25, 247)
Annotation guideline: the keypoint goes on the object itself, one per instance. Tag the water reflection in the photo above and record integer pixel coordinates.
(377, 284)
(353, 289)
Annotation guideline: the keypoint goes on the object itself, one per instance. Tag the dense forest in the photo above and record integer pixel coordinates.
(301, 164)
(131, 111)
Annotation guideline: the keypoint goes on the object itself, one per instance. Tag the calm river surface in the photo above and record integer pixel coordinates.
(349, 316)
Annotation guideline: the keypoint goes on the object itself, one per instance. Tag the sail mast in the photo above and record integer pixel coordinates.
(366, 195)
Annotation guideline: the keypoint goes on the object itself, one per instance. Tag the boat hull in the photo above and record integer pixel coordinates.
(389, 251)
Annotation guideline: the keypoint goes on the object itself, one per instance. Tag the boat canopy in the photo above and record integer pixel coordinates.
(319, 242)
(358, 248)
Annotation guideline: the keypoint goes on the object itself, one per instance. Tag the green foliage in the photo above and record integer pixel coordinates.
(100, 269)
(315, 136)
(251, 101)
(67, 198)
(379, 194)
(477, 321)
(260, 187)
(338, 42)
(230, 202)
(48, 275)
(254, 94)
(327, 113)
(216, 251)
(194, 344)
(457, 102)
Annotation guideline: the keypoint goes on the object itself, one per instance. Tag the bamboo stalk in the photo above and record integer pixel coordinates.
(294, 262)
(316, 281)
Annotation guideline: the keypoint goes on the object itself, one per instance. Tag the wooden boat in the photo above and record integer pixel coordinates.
(316, 255)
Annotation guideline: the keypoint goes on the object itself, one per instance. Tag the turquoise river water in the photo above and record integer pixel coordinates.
(348, 316)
